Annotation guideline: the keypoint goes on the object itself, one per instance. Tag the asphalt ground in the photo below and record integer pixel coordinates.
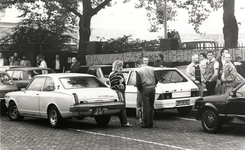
(170, 132)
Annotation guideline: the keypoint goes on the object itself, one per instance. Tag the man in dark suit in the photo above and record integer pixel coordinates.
(75, 66)
(57, 65)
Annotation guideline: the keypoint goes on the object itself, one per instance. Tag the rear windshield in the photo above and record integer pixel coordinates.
(169, 76)
(81, 82)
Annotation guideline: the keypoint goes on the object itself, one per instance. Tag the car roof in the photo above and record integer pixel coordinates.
(96, 66)
(58, 75)
(155, 68)
(28, 68)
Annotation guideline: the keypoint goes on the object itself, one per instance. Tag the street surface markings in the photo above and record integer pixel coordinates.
(132, 139)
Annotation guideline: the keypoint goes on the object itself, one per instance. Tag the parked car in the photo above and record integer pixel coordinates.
(23, 75)
(200, 44)
(174, 90)
(6, 68)
(64, 95)
(214, 111)
(6, 85)
(100, 71)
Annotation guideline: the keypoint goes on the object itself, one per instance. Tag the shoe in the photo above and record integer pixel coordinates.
(127, 125)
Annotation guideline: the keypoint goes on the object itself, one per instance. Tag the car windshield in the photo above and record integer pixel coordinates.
(169, 76)
(81, 82)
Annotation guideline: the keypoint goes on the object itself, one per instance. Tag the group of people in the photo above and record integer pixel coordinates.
(145, 82)
(14, 60)
(217, 75)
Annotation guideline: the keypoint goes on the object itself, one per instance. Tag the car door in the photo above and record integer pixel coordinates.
(6, 85)
(131, 90)
(235, 107)
(29, 100)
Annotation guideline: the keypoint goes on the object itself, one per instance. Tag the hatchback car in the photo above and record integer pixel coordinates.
(23, 75)
(6, 85)
(64, 95)
(174, 90)
(214, 111)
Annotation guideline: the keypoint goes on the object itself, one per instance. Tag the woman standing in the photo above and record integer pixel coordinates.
(117, 82)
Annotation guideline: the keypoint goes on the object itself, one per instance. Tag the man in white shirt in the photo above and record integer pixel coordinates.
(43, 64)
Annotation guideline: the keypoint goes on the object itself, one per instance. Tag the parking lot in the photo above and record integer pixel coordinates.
(170, 131)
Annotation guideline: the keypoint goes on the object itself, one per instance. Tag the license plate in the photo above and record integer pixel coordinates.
(99, 110)
(182, 102)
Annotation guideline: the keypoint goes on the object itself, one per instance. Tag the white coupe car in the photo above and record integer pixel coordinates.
(64, 95)
(174, 90)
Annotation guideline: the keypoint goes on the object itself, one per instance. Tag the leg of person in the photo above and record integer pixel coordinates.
(212, 87)
(139, 109)
(200, 88)
(152, 100)
(208, 88)
(122, 115)
(146, 108)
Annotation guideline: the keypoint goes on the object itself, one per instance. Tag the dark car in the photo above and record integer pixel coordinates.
(6, 85)
(22, 76)
(214, 111)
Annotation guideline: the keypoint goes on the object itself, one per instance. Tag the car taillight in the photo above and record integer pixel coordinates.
(75, 98)
(164, 96)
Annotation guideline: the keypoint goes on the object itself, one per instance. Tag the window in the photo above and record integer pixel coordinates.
(49, 85)
(106, 71)
(36, 84)
(81, 82)
(169, 76)
(132, 78)
(5, 79)
(17, 75)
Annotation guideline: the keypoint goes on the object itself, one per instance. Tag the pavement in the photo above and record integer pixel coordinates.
(170, 132)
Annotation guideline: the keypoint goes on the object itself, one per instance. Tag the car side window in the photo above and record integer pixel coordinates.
(36, 84)
(16, 75)
(132, 78)
(5, 79)
(49, 85)
(241, 91)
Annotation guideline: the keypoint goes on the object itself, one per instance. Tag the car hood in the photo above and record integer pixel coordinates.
(215, 98)
(96, 94)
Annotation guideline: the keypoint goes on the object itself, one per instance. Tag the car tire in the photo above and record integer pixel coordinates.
(102, 120)
(211, 122)
(13, 113)
(54, 117)
(184, 110)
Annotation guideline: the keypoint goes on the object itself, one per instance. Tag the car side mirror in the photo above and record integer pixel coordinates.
(23, 89)
(232, 93)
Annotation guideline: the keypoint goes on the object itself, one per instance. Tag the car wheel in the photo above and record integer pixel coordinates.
(211, 122)
(54, 117)
(13, 113)
(184, 110)
(102, 120)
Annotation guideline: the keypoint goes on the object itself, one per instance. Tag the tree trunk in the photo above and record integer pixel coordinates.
(230, 29)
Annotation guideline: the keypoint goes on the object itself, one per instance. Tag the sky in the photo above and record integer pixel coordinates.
(125, 19)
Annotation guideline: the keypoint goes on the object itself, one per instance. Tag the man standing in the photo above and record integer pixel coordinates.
(146, 82)
(228, 76)
(75, 65)
(203, 61)
(221, 62)
(43, 64)
(3, 61)
(57, 64)
(159, 61)
(211, 73)
(194, 72)
(25, 62)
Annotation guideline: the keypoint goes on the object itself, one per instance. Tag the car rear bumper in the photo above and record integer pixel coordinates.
(96, 109)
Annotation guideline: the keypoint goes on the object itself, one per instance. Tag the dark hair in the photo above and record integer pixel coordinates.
(139, 62)
(210, 52)
(203, 54)
(222, 50)
(161, 56)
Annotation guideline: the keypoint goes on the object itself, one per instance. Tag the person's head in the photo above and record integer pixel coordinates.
(57, 56)
(227, 57)
(11, 58)
(74, 60)
(223, 52)
(145, 60)
(210, 55)
(117, 65)
(38, 57)
(195, 59)
(15, 54)
(41, 57)
(24, 57)
(139, 63)
(159, 57)
(202, 56)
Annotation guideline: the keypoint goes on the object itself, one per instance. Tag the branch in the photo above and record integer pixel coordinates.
(101, 6)
(65, 5)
